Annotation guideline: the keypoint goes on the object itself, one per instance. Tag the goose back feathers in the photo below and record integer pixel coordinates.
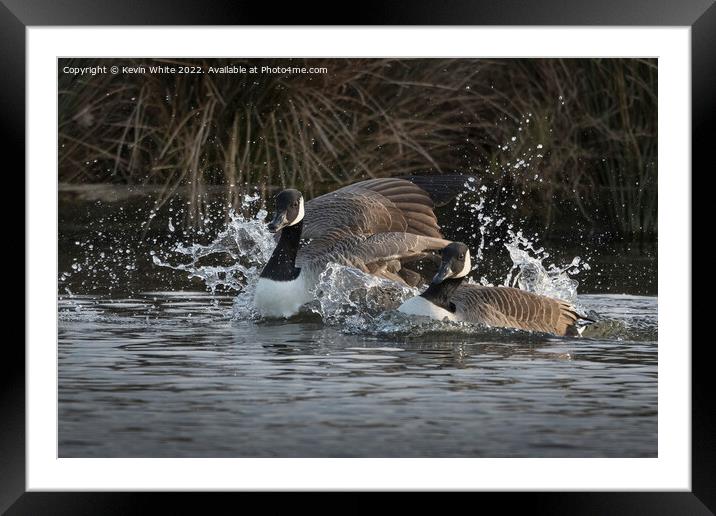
(373, 206)
(507, 307)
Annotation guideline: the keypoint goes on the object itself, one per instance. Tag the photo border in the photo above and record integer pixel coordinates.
(699, 15)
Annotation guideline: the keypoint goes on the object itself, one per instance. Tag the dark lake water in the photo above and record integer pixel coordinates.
(176, 375)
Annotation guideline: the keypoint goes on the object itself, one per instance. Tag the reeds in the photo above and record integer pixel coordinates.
(595, 121)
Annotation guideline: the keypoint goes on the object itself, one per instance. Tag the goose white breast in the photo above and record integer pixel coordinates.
(281, 298)
(421, 306)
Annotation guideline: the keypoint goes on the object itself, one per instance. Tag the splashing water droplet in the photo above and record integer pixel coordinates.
(245, 242)
(528, 272)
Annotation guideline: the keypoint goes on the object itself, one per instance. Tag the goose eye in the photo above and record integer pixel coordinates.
(461, 257)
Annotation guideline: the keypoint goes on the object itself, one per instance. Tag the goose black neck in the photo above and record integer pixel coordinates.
(282, 264)
(440, 294)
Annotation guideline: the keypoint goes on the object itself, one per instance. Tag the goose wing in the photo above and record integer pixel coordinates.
(373, 206)
(380, 254)
(382, 248)
(514, 308)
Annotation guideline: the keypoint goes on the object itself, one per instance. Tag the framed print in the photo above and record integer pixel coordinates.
(436, 250)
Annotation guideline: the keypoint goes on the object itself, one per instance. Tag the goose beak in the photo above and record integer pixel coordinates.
(278, 222)
(443, 273)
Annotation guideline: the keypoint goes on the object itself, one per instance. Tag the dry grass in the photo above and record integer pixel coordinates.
(595, 120)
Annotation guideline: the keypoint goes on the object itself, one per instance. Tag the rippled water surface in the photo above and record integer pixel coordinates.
(178, 374)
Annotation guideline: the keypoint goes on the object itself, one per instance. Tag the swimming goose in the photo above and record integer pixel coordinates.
(375, 226)
(448, 297)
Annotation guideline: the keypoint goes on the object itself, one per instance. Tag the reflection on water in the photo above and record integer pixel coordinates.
(174, 374)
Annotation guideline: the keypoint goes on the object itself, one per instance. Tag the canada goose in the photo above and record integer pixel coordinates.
(504, 307)
(375, 226)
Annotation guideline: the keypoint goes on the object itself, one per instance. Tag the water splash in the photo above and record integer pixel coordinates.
(232, 261)
(352, 299)
(529, 273)
(491, 226)
(104, 259)
(245, 243)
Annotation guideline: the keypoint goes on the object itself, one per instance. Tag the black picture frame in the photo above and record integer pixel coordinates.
(17, 15)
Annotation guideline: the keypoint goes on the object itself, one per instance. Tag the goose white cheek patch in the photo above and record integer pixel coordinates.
(466, 268)
(299, 217)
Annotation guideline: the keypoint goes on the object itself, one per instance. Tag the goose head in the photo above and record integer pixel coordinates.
(289, 210)
(455, 263)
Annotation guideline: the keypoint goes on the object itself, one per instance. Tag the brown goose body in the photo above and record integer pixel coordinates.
(507, 307)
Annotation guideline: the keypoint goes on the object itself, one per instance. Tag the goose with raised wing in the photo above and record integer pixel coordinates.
(375, 225)
(449, 297)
